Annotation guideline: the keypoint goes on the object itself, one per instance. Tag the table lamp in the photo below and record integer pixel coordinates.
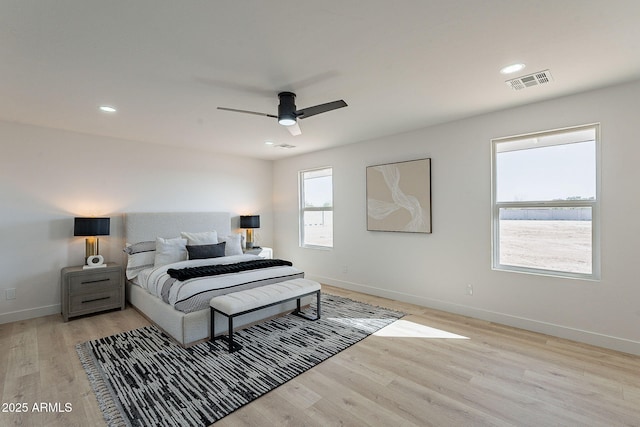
(91, 228)
(249, 222)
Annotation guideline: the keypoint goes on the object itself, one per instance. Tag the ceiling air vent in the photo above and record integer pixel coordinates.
(286, 146)
(535, 79)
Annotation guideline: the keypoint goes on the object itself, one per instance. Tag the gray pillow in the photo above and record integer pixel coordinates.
(206, 251)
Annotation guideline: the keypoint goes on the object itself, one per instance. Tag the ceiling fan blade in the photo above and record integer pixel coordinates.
(247, 112)
(322, 108)
(294, 129)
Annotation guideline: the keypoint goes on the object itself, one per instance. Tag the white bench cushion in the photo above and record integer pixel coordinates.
(249, 299)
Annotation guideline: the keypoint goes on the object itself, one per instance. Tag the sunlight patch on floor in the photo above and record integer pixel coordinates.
(407, 329)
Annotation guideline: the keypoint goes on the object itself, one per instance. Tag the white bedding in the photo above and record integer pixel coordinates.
(194, 294)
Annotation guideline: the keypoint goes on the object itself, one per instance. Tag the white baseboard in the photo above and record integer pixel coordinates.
(30, 313)
(587, 337)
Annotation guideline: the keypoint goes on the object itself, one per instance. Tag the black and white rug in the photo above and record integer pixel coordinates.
(142, 378)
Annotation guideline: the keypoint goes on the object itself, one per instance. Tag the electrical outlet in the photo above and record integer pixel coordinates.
(345, 269)
(10, 293)
(469, 289)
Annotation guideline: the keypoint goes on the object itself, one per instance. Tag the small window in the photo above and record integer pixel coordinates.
(545, 203)
(316, 208)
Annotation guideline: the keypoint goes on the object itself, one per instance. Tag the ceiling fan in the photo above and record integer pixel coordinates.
(288, 115)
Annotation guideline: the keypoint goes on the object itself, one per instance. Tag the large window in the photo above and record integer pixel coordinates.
(545, 203)
(316, 208)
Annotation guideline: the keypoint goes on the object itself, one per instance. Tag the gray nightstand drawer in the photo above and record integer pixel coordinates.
(94, 282)
(90, 303)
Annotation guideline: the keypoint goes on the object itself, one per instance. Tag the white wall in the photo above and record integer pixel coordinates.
(48, 176)
(434, 270)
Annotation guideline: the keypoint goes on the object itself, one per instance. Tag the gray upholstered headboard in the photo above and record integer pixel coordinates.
(143, 226)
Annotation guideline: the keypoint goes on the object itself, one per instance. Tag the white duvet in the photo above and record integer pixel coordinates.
(194, 294)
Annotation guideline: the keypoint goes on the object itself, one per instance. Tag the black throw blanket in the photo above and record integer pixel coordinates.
(215, 270)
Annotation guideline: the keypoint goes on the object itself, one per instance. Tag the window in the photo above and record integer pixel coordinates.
(545, 203)
(316, 208)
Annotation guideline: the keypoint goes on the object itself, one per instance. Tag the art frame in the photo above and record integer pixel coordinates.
(399, 196)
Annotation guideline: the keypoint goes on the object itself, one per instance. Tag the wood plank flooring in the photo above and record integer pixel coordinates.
(485, 374)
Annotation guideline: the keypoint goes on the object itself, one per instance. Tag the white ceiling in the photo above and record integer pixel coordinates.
(400, 65)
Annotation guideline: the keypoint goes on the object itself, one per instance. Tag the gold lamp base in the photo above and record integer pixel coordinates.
(92, 246)
(92, 258)
(249, 243)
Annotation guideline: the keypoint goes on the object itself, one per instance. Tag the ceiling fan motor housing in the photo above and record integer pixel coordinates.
(287, 108)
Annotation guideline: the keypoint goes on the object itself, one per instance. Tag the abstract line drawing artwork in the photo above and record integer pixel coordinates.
(399, 196)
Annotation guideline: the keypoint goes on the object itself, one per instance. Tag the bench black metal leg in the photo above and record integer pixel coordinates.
(213, 326)
(298, 313)
(229, 338)
(230, 334)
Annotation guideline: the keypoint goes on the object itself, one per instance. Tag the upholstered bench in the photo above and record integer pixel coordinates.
(243, 302)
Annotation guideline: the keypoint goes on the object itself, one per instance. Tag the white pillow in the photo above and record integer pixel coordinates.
(140, 256)
(203, 238)
(234, 244)
(170, 250)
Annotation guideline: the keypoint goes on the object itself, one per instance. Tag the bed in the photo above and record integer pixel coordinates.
(180, 307)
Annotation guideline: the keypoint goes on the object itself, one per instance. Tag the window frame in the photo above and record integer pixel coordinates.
(303, 208)
(593, 204)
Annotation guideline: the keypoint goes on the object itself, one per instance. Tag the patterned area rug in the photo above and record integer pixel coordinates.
(142, 378)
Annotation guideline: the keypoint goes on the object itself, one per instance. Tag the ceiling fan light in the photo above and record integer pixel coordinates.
(287, 120)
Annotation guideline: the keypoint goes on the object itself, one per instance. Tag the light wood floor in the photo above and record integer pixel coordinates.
(496, 376)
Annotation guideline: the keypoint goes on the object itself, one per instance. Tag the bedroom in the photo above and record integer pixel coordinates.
(51, 175)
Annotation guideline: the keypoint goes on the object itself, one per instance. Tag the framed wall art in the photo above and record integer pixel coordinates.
(399, 196)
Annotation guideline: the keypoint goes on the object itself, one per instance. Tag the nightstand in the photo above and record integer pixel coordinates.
(91, 290)
(264, 252)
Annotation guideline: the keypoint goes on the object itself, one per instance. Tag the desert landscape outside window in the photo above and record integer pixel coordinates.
(546, 204)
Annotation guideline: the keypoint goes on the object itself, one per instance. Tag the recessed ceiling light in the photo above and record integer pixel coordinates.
(268, 142)
(513, 68)
(107, 109)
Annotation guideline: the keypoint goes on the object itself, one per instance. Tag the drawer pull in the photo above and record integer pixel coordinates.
(95, 281)
(94, 300)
